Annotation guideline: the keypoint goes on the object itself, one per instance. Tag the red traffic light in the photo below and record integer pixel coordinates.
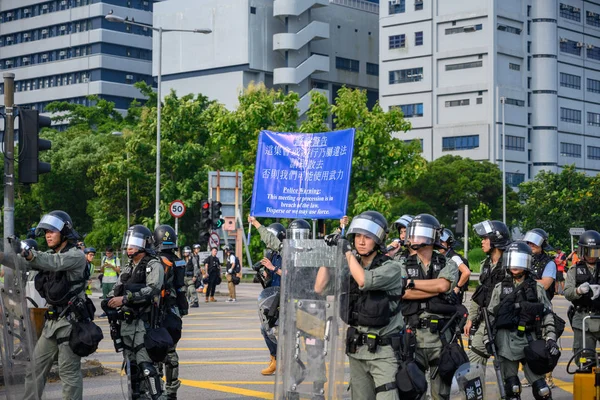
(205, 205)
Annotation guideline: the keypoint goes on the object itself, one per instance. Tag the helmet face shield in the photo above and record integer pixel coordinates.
(589, 252)
(298, 234)
(368, 228)
(484, 228)
(134, 240)
(535, 238)
(403, 221)
(514, 259)
(49, 223)
(421, 235)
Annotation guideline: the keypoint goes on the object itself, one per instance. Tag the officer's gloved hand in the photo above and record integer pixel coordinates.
(584, 288)
(229, 271)
(552, 347)
(335, 239)
(452, 298)
(332, 239)
(595, 291)
(15, 243)
(488, 347)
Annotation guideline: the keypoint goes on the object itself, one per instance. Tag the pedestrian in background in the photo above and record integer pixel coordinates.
(561, 262)
(233, 268)
(212, 265)
(90, 253)
(110, 268)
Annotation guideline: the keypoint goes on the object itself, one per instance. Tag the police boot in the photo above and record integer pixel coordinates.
(270, 370)
(135, 378)
(153, 381)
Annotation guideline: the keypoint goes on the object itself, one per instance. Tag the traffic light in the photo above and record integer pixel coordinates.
(459, 221)
(204, 237)
(205, 222)
(215, 215)
(30, 144)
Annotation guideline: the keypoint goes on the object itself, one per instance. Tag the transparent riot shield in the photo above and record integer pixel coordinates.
(19, 328)
(468, 383)
(311, 361)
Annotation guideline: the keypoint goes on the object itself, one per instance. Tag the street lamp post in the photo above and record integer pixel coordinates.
(127, 155)
(503, 144)
(115, 18)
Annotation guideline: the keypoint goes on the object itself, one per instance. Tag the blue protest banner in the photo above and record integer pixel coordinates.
(302, 175)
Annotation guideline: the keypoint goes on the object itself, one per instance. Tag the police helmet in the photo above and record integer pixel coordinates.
(57, 221)
(89, 250)
(402, 222)
(424, 230)
(496, 231)
(32, 243)
(539, 237)
(187, 251)
(517, 255)
(196, 246)
(589, 244)
(371, 224)
(277, 229)
(448, 237)
(138, 237)
(298, 229)
(165, 238)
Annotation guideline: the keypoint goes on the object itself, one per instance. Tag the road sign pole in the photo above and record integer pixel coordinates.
(176, 230)
(572, 244)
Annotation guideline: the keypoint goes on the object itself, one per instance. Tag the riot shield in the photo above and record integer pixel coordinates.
(268, 311)
(19, 328)
(468, 383)
(311, 361)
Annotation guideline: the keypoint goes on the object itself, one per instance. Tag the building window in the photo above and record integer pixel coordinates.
(570, 150)
(347, 64)
(397, 6)
(252, 10)
(514, 102)
(372, 69)
(406, 75)
(570, 115)
(528, 82)
(529, 46)
(457, 103)
(593, 85)
(528, 63)
(418, 6)
(570, 12)
(593, 153)
(397, 41)
(513, 179)
(509, 29)
(515, 143)
(570, 47)
(460, 143)
(480, 100)
(411, 110)
(472, 64)
(469, 28)
(418, 38)
(593, 19)
(529, 27)
(593, 119)
(570, 81)
(593, 52)
(514, 67)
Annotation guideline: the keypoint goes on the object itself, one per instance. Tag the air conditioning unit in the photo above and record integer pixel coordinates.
(85, 79)
(130, 77)
(564, 40)
(26, 11)
(8, 62)
(145, 4)
(9, 38)
(25, 35)
(580, 44)
(394, 2)
(563, 6)
(45, 7)
(576, 9)
(418, 1)
(62, 53)
(25, 59)
(63, 3)
(590, 46)
(63, 28)
(44, 31)
(8, 15)
(44, 56)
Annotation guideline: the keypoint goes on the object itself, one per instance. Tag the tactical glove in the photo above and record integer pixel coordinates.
(489, 348)
(595, 291)
(229, 271)
(452, 298)
(584, 288)
(552, 347)
(335, 239)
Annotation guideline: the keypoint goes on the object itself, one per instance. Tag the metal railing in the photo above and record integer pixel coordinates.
(359, 5)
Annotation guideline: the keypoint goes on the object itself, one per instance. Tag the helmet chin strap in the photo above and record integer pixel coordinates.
(367, 254)
(416, 247)
(132, 256)
(520, 275)
(63, 239)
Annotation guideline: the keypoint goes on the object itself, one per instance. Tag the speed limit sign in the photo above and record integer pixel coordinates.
(177, 208)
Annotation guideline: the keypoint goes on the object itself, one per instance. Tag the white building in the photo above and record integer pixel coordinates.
(64, 50)
(296, 45)
(449, 63)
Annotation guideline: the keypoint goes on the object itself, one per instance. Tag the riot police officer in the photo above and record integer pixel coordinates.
(373, 310)
(522, 315)
(62, 275)
(495, 238)
(464, 272)
(426, 304)
(543, 266)
(272, 236)
(191, 274)
(136, 294)
(174, 303)
(400, 250)
(582, 288)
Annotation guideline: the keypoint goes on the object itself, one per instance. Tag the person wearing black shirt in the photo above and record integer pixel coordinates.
(212, 264)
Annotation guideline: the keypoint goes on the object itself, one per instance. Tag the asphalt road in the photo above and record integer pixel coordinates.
(222, 353)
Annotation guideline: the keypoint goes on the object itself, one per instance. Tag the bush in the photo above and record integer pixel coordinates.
(475, 257)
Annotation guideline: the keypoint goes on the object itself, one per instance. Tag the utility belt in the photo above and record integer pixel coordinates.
(189, 274)
(433, 323)
(587, 310)
(129, 315)
(355, 339)
(55, 312)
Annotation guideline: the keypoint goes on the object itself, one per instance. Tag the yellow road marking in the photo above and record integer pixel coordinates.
(227, 389)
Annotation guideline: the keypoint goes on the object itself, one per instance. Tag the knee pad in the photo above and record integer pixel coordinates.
(152, 380)
(512, 385)
(541, 391)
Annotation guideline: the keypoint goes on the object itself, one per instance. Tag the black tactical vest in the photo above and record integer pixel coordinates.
(583, 274)
(55, 288)
(189, 267)
(488, 280)
(367, 307)
(519, 306)
(538, 265)
(174, 282)
(434, 305)
(135, 280)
